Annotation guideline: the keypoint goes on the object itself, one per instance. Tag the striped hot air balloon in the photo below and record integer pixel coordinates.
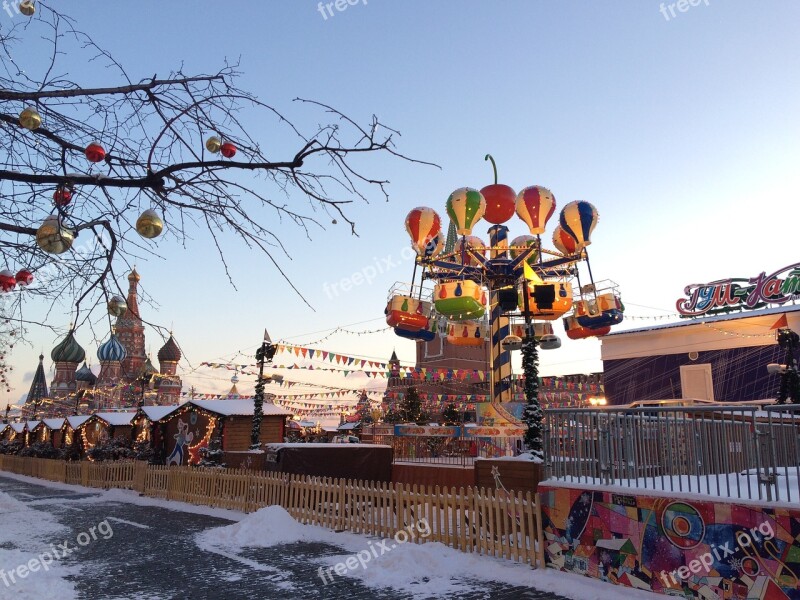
(465, 207)
(578, 219)
(535, 205)
(463, 257)
(435, 246)
(564, 242)
(519, 243)
(423, 224)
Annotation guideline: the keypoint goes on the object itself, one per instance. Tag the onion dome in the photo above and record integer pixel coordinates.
(169, 351)
(112, 350)
(134, 275)
(85, 374)
(68, 350)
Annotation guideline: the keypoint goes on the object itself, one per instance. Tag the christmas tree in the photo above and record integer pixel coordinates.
(533, 412)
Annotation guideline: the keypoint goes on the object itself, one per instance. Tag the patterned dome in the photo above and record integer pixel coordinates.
(169, 351)
(85, 374)
(112, 350)
(68, 350)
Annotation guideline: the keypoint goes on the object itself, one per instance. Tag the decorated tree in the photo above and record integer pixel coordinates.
(364, 409)
(392, 416)
(411, 408)
(533, 415)
(451, 415)
(93, 177)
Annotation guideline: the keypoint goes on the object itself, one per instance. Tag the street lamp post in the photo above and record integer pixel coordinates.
(263, 355)
(144, 381)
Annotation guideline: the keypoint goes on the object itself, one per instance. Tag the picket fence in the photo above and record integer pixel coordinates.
(485, 521)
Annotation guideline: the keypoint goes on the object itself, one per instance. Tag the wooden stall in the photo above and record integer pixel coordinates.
(194, 424)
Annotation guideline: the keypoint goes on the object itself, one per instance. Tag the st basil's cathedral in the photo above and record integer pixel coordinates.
(127, 377)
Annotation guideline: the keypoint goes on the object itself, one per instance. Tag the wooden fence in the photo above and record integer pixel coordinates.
(488, 522)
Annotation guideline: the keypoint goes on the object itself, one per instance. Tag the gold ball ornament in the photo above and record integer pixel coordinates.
(30, 119)
(27, 8)
(53, 238)
(117, 306)
(213, 144)
(149, 224)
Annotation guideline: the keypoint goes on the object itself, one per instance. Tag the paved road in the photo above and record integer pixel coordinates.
(152, 555)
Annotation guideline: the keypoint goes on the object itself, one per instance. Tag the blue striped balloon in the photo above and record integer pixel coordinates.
(578, 219)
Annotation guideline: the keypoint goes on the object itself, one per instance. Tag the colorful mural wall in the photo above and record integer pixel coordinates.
(679, 547)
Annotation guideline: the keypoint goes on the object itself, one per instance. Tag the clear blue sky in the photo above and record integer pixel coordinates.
(685, 133)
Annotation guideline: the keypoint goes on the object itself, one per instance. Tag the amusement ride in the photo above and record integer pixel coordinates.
(502, 291)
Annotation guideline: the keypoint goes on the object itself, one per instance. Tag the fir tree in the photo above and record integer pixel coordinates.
(364, 409)
(533, 414)
(411, 408)
(451, 415)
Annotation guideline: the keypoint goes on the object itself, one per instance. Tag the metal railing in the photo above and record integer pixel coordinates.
(458, 451)
(736, 451)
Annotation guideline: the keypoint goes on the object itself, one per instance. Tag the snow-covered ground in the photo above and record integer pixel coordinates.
(429, 570)
(26, 534)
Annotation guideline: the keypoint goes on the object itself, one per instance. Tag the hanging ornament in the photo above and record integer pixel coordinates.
(149, 224)
(53, 238)
(95, 152)
(62, 196)
(213, 144)
(7, 281)
(30, 119)
(24, 277)
(465, 207)
(117, 306)
(228, 149)
(27, 8)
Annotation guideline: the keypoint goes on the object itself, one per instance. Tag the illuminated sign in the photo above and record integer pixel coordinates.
(727, 294)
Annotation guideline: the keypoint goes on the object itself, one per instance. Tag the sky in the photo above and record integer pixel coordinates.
(682, 130)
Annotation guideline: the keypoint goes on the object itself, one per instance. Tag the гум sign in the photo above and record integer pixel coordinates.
(777, 288)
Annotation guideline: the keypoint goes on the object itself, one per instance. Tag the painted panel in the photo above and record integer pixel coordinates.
(678, 547)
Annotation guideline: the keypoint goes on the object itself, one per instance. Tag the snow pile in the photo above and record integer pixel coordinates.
(25, 535)
(422, 570)
(264, 528)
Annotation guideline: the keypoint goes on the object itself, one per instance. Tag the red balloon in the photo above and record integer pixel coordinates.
(500, 203)
(24, 277)
(228, 150)
(62, 196)
(95, 152)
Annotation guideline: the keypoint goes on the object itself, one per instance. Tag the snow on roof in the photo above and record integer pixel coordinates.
(116, 418)
(3, 427)
(238, 407)
(33, 425)
(777, 310)
(53, 423)
(156, 413)
(18, 427)
(76, 421)
(349, 426)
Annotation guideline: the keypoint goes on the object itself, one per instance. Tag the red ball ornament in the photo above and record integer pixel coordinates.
(24, 277)
(228, 150)
(62, 196)
(501, 202)
(7, 281)
(95, 152)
